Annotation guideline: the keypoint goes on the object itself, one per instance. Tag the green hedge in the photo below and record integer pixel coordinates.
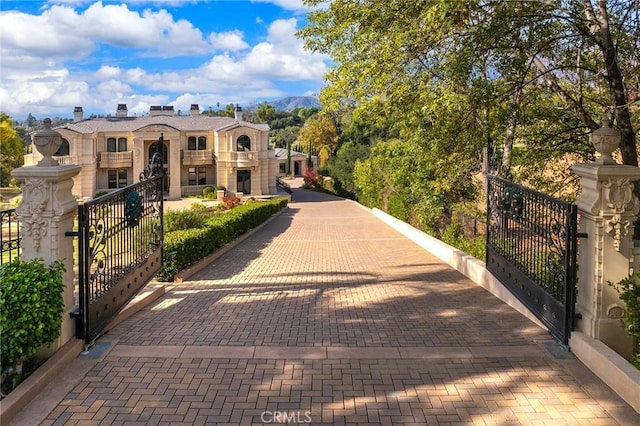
(183, 248)
(31, 308)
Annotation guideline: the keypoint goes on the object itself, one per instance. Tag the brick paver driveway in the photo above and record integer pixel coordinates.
(327, 315)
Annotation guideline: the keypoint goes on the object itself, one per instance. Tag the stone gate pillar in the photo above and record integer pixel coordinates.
(46, 213)
(607, 210)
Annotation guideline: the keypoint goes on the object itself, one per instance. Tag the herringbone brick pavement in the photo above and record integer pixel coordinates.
(328, 316)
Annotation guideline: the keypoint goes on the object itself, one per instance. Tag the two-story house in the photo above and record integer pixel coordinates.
(198, 151)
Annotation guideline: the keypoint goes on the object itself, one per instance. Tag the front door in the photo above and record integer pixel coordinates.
(153, 148)
(244, 181)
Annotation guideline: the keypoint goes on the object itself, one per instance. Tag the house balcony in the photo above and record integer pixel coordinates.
(66, 159)
(113, 160)
(243, 158)
(202, 157)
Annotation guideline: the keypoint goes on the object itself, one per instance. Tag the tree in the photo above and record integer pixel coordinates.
(285, 137)
(341, 166)
(266, 112)
(529, 76)
(318, 130)
(11, 150)
(228, 111)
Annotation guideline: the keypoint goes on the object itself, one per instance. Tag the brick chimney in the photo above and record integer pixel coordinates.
(195, 109)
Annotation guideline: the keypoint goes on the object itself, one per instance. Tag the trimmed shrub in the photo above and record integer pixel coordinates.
(31, 308)
(208, 192)
(184, 219)
(183, 248)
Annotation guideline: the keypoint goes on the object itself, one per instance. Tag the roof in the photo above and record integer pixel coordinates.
(179, 122)
(282, 152)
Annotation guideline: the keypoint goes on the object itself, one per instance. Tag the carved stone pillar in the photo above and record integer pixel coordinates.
(46, 213)
(607, 210)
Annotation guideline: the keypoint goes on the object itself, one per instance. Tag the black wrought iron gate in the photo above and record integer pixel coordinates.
(531, 249)
(120, 250)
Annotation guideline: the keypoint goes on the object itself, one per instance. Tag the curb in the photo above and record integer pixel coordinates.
(610, 367)
(29, 389)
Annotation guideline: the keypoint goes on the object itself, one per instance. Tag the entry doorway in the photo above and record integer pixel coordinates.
(164, 154)
(244, 181)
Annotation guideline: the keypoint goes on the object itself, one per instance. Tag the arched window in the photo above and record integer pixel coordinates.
(244, 143)
(120, 146)
(202, 142)
(153, 148)
(63, 150)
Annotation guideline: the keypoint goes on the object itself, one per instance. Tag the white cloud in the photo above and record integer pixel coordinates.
(292, 5)
(107, 71)
(283, 56)
(50, 35)
(113, 88)
(65, 57)
(231, 40)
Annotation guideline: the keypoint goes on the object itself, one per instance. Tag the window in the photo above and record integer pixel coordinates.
(117, 178)
(244, 143)
(282, 167)
(198, 143)
(197, 176)
(121, 145)
(63, 150)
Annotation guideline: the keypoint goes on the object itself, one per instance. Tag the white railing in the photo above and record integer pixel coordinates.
(65, 159)
(242, 156)
(202, 154)
(116, 157)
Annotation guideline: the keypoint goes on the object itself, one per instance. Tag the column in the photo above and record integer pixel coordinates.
(46, 213)
(607, 209)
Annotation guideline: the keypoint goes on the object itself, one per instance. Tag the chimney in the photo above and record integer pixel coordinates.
(195, 109)
(156, 110)
(121, 111)
(238, 113)
(77, 114)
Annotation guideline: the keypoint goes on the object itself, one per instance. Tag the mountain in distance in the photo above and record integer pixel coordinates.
(292, 102)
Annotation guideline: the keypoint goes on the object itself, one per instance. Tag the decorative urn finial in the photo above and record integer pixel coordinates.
(47, 142)
(605, 140)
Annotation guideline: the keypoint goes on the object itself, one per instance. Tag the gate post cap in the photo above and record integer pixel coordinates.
(47, 142)
(605, 140)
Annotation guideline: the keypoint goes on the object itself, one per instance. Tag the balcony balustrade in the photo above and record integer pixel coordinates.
(200, 157)
(111, 160)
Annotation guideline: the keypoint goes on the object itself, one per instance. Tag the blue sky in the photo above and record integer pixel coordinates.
(59, 54)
